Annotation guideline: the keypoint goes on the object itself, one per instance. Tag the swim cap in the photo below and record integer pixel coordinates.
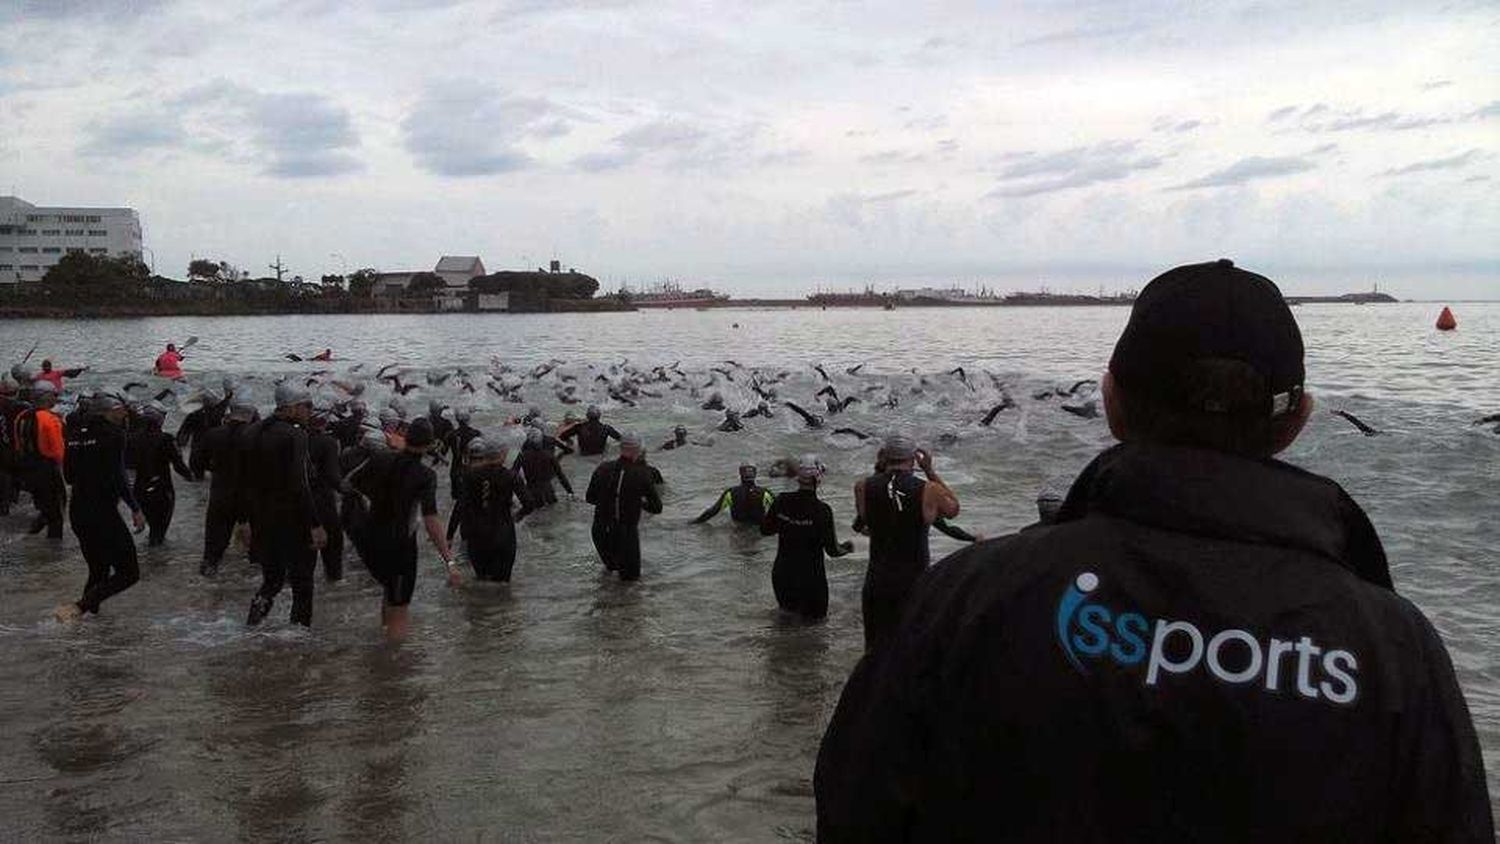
(289, 394)
(390, 419)
(374, 441)
(630, 439)
(480, 448)
(436, 407)
(7, 386)
(419, 434)
(44, 388)
(809, 469)
(680, 430)
(747, 471)
(534, 437)
(899, 448)
(241, 411)
(593, 411)
(358, 406)
(462, 414)
(104, 402)
(209, 396)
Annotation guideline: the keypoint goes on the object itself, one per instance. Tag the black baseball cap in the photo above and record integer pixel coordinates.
(1199, 312)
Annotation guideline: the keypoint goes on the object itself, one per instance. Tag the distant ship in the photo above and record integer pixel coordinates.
(669, 294)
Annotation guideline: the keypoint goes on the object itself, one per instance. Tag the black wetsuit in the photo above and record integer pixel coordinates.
(279, 501)
(619, 490)
(9, 459)
(354, 506)
(898, 549)
(747, 504)
(218, 454)
(538, 467)
(401, 491)
(198, 423)
(442, 432)
(804, 531)
(592, 436)
(458, 457)
(94, 465)
(156, 455)
(348, 430)
(483, 514)
(327, 481)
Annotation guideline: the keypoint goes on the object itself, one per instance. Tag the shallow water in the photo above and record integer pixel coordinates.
(682, 707)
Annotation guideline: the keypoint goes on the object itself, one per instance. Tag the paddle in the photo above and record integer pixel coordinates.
(32, 352)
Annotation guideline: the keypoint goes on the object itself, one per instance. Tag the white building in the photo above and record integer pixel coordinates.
(33, 239)
(456, 271)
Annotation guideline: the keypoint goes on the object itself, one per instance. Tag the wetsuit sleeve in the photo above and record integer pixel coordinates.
(67, 468)
(609, 431)
(651, 501)
(1444, 796)
(713, 510)
(770, 523)
(427, 493)
(198, 460)
(301, 467)
(562, 477)
(954, 531)
(121, 481)
(523, 496)
(562, 446)
(190, 426)
(595, 481)
(174, 456)
(567, 433)
(828, 533)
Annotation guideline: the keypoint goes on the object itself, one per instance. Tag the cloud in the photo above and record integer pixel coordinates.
(1075, 167)
(1080, 34)
(1452, 162)
(463, 129)
(1281, 113)
(1175, 125)
(303, 135)
(1248, 170)
(889, 157)
(292, 135)
(1436, 84)
(59, 10)
(1485, 112)
(661, 134)
(128, 135)
(598, 162)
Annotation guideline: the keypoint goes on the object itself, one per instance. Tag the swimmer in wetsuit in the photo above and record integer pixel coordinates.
(747, 502)
(156, 456)
(804, 532)
(592, 435)
(95, 466)
(537, 466)
(217, 453)
(678, 440)
(402, 492)
(620, 490)
(483, 511)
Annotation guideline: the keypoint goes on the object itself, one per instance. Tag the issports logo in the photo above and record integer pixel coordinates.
(1090, 632)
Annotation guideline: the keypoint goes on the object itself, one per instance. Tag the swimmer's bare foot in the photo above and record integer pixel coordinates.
(67, 613)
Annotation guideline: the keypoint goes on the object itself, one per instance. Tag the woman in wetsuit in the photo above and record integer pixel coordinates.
(156, 456)
(804, 529)
(483, 511)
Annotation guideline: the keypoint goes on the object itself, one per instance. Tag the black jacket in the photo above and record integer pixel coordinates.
(620, 489)
(1205, 648)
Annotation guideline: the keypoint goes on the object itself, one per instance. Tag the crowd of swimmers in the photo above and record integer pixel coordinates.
(294, 486)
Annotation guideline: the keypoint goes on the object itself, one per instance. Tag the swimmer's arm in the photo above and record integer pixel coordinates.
(770, 524)
(561, 477)
(719, 504)
(651, 501)
(831, 544)
(954, 531)
(938, 501)
(859, 502)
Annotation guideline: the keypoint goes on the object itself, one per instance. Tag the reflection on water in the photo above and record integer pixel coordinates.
(567, 705)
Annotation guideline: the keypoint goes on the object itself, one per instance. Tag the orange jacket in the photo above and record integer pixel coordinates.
(49, 436)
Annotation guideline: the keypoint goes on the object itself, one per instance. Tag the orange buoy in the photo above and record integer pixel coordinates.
(1446, 322)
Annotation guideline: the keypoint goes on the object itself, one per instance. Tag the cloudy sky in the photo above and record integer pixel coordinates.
(770, 147)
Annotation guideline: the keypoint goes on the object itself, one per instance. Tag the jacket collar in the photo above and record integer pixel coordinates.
(1224, 496)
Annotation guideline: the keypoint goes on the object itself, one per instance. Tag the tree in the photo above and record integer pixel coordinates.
(333, 282)
(425, 283)
(96, 278)
(362, 282)
(203, 268)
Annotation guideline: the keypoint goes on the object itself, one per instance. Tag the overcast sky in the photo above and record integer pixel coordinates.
(767, 147)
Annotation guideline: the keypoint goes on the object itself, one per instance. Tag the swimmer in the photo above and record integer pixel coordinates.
(747, 502)
(805, 533)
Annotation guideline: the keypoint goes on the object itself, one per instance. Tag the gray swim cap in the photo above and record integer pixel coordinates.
(480, 448)
(593, 411)
(291, 395)
(534, 436)
(154, 411)
(436, 407)
(104, 402)
(209, 396)
(358, 406)
(630, 439)
(680, 429)
(899, 448)
(809, 468)
(374, 441)
(389, 418)
(44, 388)
(241, 411)
(463, 414)
(22, 374)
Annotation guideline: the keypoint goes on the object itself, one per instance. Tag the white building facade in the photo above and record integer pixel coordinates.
(34, 238)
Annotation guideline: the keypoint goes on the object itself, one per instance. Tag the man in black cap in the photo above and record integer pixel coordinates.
(747, 502)
(592, 434)
(619, 490)
(285, 529)
(1205, 646)
(896, 509)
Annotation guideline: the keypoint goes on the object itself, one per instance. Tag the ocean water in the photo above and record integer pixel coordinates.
(679, 708)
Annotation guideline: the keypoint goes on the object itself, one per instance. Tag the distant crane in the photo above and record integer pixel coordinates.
(278, 267)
